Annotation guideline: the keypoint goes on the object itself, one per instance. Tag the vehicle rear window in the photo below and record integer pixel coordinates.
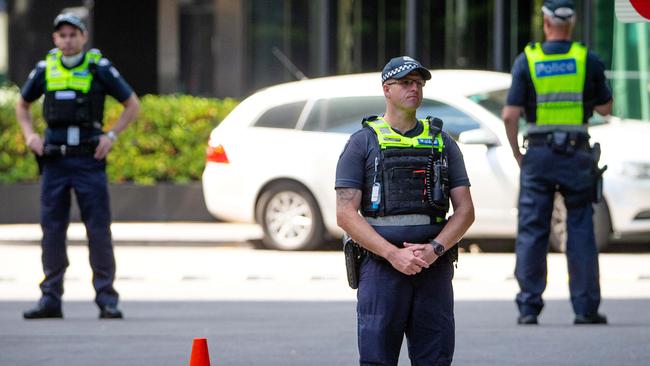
(343, 115)
(282, 116)
(454, 120)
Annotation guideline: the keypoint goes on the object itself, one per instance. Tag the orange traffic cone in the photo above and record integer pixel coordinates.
(200, 355)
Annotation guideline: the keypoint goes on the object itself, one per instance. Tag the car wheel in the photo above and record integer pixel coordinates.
(558, 236)
(290, 218)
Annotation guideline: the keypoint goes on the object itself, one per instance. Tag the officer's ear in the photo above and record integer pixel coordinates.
(386, 89)
(84, 36)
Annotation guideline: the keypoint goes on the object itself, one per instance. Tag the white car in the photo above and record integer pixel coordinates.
(272, 160)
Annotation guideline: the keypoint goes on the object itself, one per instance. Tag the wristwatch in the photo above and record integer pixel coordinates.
(111, 135)
(438, 248)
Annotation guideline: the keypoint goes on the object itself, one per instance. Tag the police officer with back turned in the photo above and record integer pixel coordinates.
(394, 180)
(72, 157)
(557, 84)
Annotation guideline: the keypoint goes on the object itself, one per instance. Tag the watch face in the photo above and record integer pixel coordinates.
(439, 249)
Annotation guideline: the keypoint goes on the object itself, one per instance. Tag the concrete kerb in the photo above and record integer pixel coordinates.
(142, 234)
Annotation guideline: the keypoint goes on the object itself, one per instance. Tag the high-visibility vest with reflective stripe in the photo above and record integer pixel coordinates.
(559, 81)
(401, 172)
(57, 77)
(388, 138)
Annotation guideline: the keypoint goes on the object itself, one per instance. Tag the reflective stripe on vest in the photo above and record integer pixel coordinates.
(559, 81)
(57, 77)
(388, 138)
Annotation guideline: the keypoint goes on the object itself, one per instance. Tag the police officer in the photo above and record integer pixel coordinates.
(557, 84)
(383, 179)
(72, 156)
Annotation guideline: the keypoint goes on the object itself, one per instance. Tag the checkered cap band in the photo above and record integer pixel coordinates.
(397, 70)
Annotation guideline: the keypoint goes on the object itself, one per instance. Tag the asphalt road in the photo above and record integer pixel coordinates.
(310, 333)
(272, 308)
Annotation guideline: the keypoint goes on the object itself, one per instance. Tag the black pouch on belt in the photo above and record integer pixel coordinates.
(560, 141)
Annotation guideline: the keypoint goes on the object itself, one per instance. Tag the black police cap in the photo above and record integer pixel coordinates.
(71, 19)
(562, 9)
(399, 67)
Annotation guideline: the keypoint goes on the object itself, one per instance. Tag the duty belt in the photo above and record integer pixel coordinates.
(572, 140)
(66, 150)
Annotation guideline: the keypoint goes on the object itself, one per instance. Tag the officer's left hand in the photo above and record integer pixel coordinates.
(427, 254)
(104, 146)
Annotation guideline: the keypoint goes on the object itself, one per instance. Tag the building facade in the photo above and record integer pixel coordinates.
(233, 47)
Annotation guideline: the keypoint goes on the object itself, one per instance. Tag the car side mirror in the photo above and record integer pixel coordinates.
(478, 136)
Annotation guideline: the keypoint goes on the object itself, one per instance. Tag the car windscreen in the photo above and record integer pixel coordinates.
(454, 120)
(495, 100)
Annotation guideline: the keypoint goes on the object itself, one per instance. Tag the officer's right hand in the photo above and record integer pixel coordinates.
(35, 143)
(103, 147)
(519, 158)
(405, 261)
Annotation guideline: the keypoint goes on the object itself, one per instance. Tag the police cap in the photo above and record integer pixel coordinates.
(562, 9)
(71, 19)
(399, 67)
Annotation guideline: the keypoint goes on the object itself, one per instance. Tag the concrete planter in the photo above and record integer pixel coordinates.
(20, 203)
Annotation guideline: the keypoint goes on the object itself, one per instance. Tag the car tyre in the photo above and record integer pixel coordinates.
(290, 218)
(558, 236)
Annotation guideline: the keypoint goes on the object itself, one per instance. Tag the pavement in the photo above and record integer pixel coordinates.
(143, 233)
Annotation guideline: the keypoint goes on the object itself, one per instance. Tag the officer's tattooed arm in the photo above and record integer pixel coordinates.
(348, 201)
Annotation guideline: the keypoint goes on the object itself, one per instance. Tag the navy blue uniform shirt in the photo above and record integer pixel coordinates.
(107, 80)
(522, 93)
(359, 154)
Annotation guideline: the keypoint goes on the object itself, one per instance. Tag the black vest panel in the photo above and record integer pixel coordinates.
(84, 110)
(402, 176)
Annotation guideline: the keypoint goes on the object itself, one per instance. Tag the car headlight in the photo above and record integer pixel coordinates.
(636, 169)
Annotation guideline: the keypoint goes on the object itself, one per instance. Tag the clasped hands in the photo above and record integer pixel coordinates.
(412, 258)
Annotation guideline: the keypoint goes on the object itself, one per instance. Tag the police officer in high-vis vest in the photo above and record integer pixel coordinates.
(557, 84)
(394, 180)
(72, 158)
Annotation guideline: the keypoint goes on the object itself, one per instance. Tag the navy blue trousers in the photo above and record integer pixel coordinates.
(543, 172)
(87, 178)
(391, 305)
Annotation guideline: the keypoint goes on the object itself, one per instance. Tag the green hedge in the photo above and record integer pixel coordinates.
(166, 143)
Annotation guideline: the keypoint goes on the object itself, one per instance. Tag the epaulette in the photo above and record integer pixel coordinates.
(368, 119)
(53, 50)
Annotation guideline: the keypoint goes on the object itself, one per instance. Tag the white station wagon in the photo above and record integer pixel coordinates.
(272, 160)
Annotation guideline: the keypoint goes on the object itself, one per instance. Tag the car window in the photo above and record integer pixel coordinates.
(495, 100)
(343, 115)
(282, 116)
(454, 120)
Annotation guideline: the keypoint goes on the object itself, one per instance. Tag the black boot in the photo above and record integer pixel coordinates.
(590, 319)
(110, 312)
(527, 319)
(40, 312)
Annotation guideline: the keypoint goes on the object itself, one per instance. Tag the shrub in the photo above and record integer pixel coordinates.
(166, 143)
